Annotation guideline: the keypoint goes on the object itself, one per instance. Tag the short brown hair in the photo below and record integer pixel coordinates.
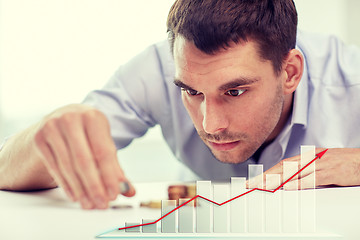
(214, 24)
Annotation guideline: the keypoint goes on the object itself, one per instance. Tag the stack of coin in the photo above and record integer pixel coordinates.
(191, 190)
(151, 204)
(175, 192)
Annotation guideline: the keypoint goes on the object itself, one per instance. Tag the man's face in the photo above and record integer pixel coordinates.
(234, 97)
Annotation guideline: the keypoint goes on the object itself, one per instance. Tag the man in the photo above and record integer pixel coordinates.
(243, 94)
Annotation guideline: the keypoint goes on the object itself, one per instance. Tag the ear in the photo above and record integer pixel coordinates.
(292, 71)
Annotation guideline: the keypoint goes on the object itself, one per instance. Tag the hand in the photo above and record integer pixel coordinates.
(76, 147)
(338, 166)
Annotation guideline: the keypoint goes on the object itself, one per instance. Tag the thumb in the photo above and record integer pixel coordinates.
(127, 189)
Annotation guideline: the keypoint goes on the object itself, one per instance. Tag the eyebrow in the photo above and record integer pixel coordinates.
(180, 84)
(232, 84)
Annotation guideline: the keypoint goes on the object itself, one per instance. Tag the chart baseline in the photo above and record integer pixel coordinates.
(120, 234)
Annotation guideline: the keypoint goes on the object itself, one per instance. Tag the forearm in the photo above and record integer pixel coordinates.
(21, 167)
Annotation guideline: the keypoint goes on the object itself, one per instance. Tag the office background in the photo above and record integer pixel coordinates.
(53, 52)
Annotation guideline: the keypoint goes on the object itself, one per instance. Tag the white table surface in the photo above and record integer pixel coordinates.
(49, 215)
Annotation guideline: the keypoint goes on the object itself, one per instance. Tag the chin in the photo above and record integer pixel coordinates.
(230, 158)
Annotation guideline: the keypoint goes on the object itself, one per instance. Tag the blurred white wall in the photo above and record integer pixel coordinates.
(55, 51)
(337, 17)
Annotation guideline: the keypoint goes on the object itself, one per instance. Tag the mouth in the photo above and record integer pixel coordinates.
(223, 146)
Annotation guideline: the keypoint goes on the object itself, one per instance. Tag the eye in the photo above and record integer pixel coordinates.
(235, 92)
(191, 92)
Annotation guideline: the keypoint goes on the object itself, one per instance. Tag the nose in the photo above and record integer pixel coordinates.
(214, 116)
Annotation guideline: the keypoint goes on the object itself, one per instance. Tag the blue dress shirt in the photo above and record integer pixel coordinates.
(326, 107)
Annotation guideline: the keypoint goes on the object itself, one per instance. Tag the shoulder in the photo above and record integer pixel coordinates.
(330, 91)
(155, 60)
(146, 72)
(141, 84)
(329, 60)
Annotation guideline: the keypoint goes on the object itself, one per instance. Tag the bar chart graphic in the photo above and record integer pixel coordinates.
(235, 209)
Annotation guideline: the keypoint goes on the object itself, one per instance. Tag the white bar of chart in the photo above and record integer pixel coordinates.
(134, 229)
(168, 224)
(239, 209)
(221, 213)
(186, 216)
(308, 197)
(151, 228)
(290, 199)
(238, 206)
(203, 207)
(272, 205)
(255, 200)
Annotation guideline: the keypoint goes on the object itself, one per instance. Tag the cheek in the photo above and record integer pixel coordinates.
(193, 108)
(249, 112)
(260, 110)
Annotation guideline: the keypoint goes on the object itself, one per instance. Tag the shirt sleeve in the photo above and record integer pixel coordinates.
(132, 99)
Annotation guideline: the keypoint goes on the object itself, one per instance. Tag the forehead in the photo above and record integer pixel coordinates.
(190, 59)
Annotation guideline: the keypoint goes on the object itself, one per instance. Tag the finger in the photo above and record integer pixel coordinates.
(104, 152)
(45, 152)
(322, 170)
(278, 168)
(324, 177)
(256, 182)
(83, 161)
(308, 173)
(130, 191)
(68, 172)
(307, 182)
(60, 150)
(292, 185)
(308, 162)
(272, 182)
